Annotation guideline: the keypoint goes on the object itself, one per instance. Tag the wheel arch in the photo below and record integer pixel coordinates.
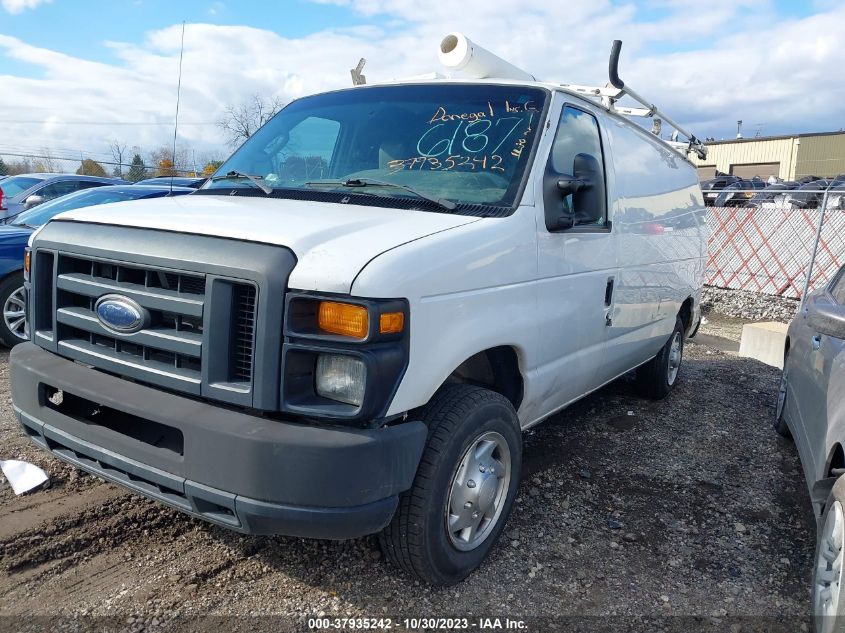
(496, 368)
(686, 313)
(835, 459)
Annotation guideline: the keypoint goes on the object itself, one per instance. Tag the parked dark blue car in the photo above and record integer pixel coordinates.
(15, 236)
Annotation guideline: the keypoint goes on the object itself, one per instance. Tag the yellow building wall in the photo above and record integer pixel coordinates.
(821, 156)
(782, 151)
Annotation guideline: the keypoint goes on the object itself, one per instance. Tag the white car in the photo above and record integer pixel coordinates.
(347, 329)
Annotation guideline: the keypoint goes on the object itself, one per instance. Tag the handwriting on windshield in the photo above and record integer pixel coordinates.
(492, 162)
(442, 114)
(479, 136)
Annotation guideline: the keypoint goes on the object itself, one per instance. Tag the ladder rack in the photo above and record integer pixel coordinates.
(611, 93)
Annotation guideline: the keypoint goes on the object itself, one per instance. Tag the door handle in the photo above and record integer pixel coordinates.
(817, 342)
(608, 302)
(608, 292)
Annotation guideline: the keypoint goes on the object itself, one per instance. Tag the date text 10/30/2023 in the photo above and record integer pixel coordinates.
(417, 624)
(480, 139)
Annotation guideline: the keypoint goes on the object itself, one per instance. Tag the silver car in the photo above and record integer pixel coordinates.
(811, 408)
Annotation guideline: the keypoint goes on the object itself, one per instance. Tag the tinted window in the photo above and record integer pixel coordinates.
(88, 184)
(466, 143)
(58, 189)
(577, 133)
(17, 184)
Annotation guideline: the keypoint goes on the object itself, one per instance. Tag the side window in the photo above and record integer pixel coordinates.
(57, 189)
(577, 146)
(308, 152)
(88, 184)
(838, 287)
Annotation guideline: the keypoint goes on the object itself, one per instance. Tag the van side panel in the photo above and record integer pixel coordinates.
(469, 289)
(659, 220)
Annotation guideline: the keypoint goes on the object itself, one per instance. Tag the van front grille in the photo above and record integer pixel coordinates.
(212, 308)
(243, 335)
(169, 349)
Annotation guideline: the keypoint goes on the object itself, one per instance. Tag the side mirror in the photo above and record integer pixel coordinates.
(32, 201)
(585, 185)
(589, 202)
(827, 318)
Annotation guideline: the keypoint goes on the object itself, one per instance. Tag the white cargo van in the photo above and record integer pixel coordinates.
(347, 329)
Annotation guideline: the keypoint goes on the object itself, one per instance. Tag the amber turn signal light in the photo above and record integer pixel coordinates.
(391, 323)
(344, 319)
(26, 261)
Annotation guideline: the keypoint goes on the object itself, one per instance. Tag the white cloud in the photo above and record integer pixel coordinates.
(19, 6)
(787, 75)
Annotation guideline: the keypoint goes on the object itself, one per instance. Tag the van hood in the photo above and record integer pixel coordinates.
(332, 242)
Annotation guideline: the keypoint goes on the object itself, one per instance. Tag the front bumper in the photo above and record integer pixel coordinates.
(244, 472)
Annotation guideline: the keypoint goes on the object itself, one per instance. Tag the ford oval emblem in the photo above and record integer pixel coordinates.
(121, 314)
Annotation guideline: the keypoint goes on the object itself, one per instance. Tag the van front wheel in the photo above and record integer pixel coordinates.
(462, 494)
(656, 378)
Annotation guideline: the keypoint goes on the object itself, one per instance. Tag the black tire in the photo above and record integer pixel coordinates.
(8, 286)
(825, 564)
(653, 380)
(417, 540)
(779, 422)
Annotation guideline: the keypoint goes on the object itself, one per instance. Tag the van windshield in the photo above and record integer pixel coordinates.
(467, 144)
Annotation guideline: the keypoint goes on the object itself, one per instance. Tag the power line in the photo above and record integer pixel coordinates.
(122, 123)
(77, 160)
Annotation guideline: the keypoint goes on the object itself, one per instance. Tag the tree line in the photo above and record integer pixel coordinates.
(129, 164)
(238, 123)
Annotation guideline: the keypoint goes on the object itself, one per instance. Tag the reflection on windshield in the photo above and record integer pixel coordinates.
(464, 143)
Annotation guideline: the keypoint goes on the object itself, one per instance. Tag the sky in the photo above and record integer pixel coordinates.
(77, 74)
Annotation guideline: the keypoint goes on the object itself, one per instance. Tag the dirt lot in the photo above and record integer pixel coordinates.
(691, 506)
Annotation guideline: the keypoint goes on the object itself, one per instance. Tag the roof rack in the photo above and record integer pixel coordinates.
(609, 94)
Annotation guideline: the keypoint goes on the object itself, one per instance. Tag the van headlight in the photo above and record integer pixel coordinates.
(343, 356)
(341, 378)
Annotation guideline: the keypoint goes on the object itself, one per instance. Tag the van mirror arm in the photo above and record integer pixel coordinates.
(570, 184)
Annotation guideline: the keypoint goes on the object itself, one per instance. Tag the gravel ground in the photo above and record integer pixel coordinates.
(641, 510)
(749, 306)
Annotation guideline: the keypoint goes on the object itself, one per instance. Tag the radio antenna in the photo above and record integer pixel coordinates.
(176, 120)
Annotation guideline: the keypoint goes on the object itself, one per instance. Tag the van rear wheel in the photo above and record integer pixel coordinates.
(462, 494)
(658, 376)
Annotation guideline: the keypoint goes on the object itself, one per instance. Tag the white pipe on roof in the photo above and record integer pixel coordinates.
(458, 53)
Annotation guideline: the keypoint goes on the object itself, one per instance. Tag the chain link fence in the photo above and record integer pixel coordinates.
(767, 249)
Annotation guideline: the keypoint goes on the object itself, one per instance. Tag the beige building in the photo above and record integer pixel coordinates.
(788, 157)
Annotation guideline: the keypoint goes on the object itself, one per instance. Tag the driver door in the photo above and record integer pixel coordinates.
(577, 268)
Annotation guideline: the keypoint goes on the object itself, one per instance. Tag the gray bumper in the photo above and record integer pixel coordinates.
(244, 472)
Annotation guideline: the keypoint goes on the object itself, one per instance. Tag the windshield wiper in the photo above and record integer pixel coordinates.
(237, 175)
(443, 203)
